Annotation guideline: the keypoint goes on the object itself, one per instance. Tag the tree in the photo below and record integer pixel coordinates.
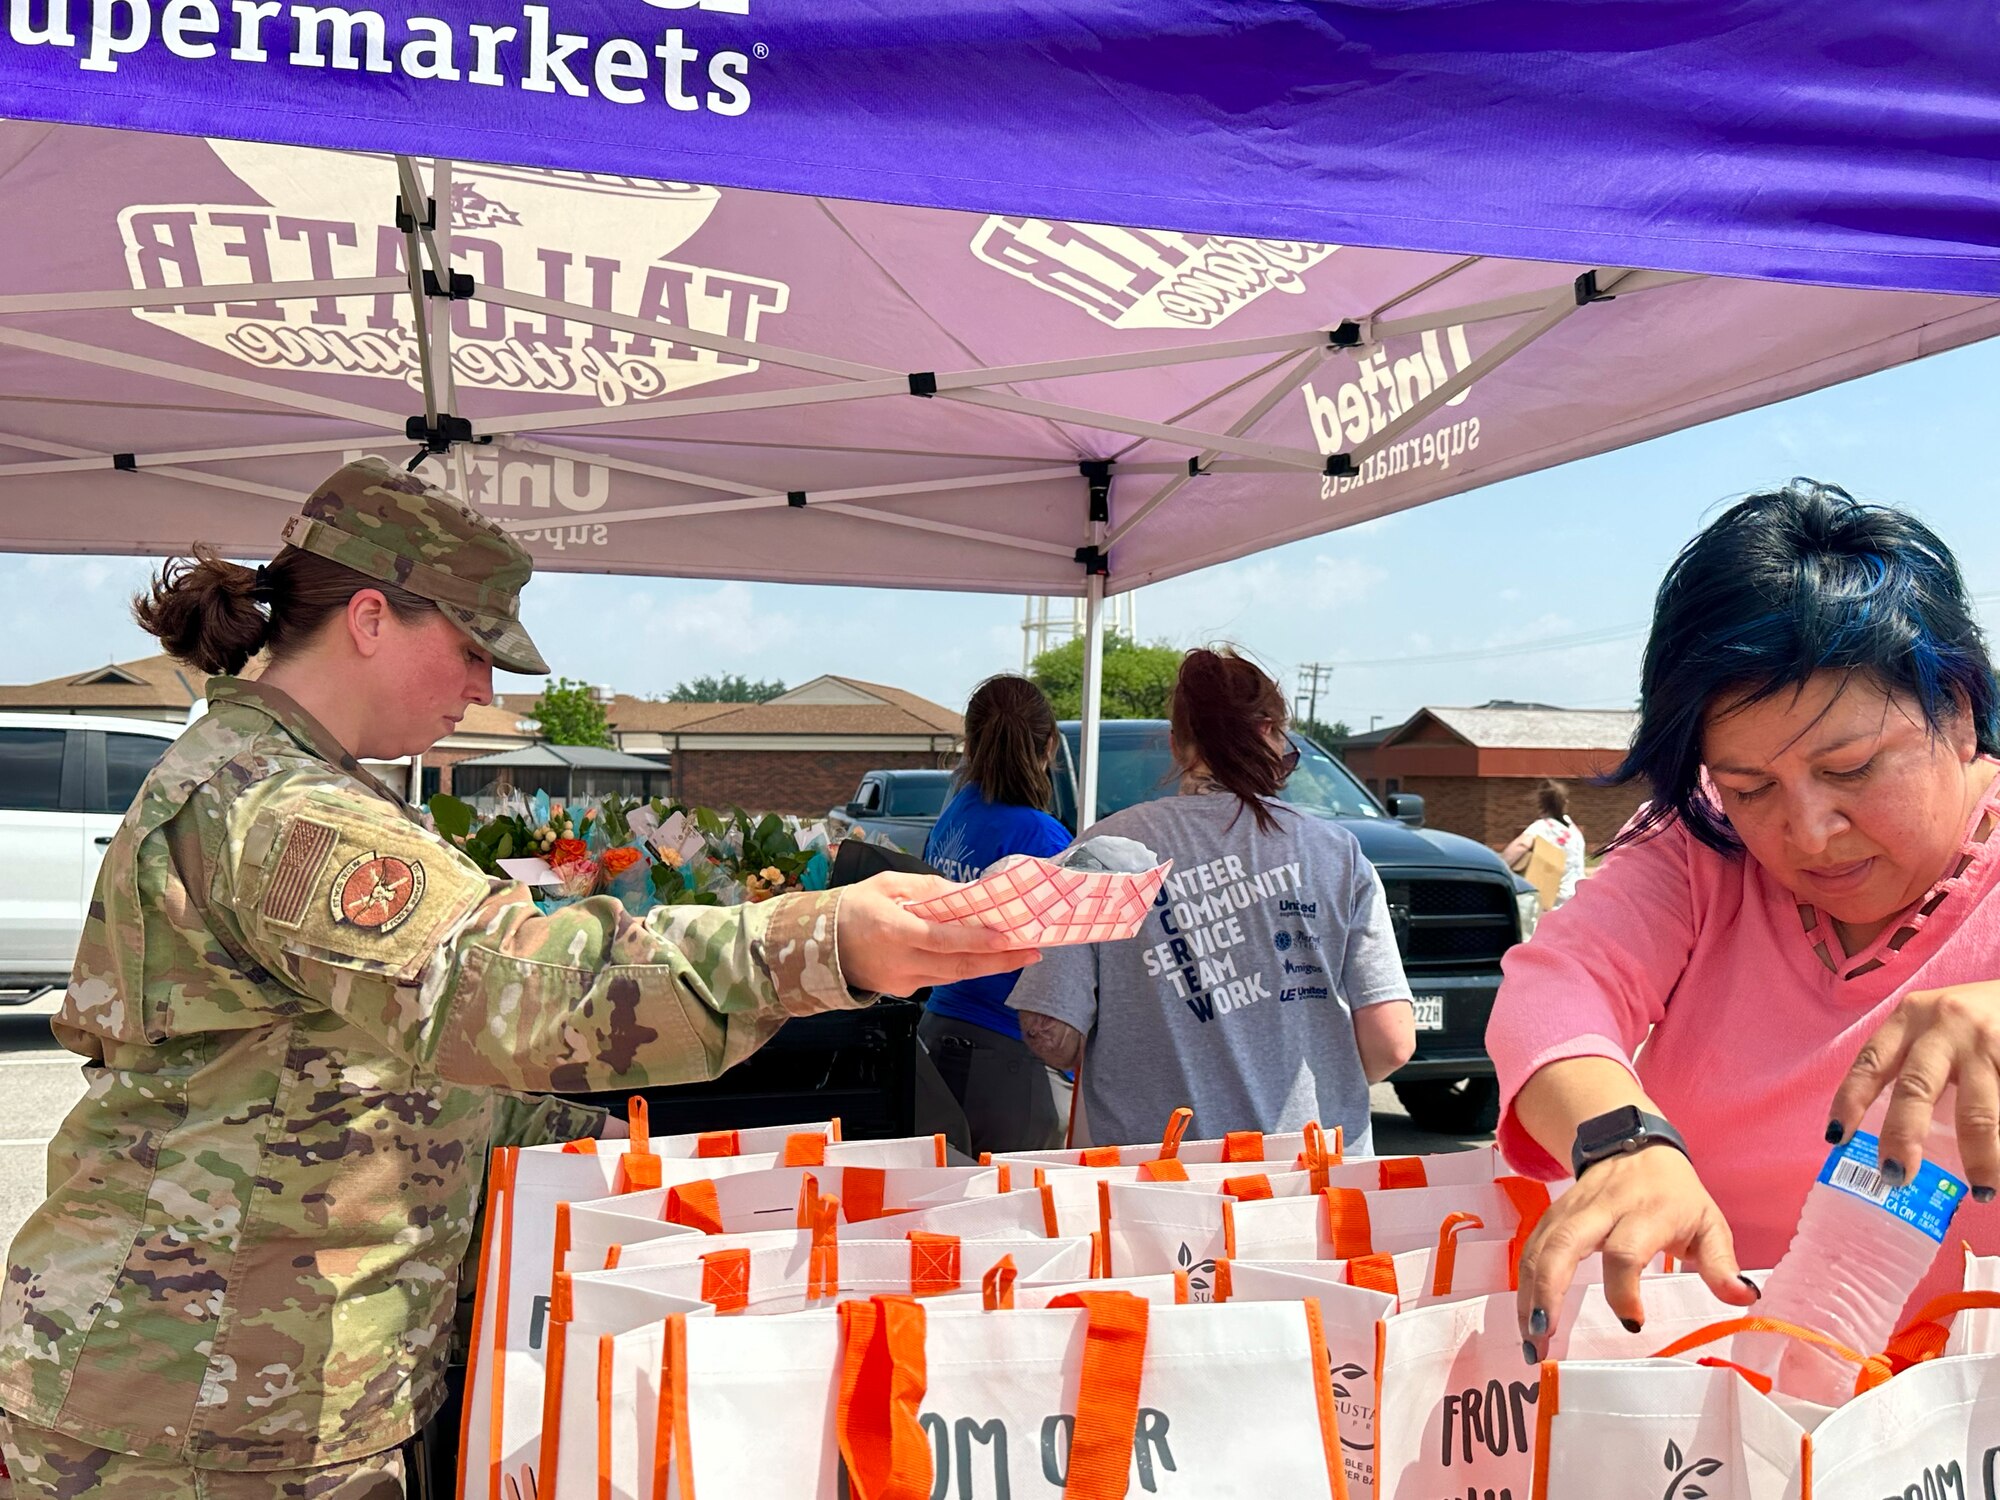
(734, 688)
(1326, 736)
(570, 714)
(1138, 680)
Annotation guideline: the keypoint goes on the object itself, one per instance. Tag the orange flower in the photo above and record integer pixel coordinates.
(617, 861)
(567, 852)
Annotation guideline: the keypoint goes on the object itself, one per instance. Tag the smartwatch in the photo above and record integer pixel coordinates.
(1620, 1133)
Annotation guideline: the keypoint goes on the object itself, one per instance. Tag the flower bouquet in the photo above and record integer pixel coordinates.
(646, 853)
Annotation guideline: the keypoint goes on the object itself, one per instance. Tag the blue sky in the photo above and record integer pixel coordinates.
(1575, 551)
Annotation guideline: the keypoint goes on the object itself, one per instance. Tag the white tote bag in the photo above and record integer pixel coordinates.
(1113, 1397)
(1457, 1407)
(1928, 1428)
(528, 1195)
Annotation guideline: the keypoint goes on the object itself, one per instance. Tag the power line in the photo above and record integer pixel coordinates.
(1310, 673)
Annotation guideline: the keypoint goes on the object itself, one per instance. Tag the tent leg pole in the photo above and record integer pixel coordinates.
(1093, 685)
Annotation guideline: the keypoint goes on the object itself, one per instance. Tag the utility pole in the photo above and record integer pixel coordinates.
(1312, 674)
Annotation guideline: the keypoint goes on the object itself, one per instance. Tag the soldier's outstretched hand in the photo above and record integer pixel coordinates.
(885, 949)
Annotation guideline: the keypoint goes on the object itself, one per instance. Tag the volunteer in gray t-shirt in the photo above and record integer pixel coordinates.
(1265, 989)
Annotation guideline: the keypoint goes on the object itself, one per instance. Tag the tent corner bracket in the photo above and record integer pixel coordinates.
(1350, 333)
(1096, 562)
(1588, 291)
(796, 499)
(406, 221)
(125, 463)
(1338, 466)
(461, 288)
(923, 383)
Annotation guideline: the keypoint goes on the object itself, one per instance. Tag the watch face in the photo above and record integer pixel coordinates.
(1608, 1129)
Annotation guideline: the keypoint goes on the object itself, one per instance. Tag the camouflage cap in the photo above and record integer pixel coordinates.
(391, 525)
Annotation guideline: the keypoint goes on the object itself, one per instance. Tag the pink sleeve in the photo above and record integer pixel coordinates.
(1594, 979)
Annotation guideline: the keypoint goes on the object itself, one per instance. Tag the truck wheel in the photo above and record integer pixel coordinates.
(1452, 1106)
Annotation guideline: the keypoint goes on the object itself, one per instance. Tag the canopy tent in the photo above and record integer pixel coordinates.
(1410, 249)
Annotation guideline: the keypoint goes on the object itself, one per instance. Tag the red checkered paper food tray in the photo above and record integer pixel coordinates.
(1045, 904)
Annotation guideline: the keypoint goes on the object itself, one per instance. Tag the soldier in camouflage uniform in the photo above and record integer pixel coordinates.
(306, 1019)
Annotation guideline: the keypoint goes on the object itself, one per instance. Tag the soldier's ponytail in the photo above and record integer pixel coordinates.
(215, 614)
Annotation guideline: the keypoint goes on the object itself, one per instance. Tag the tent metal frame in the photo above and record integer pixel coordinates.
(431, 287)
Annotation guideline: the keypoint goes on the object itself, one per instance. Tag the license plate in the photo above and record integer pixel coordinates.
(1430, 1012)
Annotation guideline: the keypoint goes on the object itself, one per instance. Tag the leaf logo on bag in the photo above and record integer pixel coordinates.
(1201, 1274)
(1681, 1486)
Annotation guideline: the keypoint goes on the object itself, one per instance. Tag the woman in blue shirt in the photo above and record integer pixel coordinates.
(1012, 1101)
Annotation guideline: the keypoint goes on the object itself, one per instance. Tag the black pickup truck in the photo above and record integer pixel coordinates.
(898, 807)
(1456, 907)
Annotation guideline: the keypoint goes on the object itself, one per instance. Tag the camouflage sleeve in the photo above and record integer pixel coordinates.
(382, 921)
(540, 1120)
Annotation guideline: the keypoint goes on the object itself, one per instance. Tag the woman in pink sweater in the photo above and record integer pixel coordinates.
(1798, 921)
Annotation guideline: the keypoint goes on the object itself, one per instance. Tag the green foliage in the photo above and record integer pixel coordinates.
(571, 715)
(492, 841)
(1326, 736)
(734, 688)
(1138, 680)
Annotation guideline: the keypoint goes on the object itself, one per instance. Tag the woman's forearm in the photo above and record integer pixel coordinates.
(1560, 1097)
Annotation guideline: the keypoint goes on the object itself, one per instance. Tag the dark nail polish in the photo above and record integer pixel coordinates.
(1538, 1323)
(1755, 1290)
(1633, 1325)
(1835, 1132)
(1983, 1195)
(1528, 1352)
(1893, 1173)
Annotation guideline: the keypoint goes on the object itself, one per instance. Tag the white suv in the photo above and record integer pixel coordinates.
(65, 782)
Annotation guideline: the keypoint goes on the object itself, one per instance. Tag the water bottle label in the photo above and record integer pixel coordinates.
(1927, 1202)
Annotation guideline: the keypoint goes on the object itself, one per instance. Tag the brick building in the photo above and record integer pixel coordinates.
(1478, 769)
(803, 752)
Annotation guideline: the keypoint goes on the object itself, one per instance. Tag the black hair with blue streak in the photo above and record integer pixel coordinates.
(1783, 585)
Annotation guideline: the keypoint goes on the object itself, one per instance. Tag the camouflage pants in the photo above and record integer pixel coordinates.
(48, 1466)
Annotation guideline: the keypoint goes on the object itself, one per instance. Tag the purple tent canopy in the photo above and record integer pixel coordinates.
(1050, 296)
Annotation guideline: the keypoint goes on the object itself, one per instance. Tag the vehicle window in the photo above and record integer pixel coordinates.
(870, 796)
(1322, 784)
(127, 760)
(917, 797)
(31, 762)
(1137, 771)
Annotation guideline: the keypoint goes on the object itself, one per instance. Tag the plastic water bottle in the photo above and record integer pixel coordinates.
(1861, 1248)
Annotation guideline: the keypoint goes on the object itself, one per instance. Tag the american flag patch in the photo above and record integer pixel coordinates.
(307, 845)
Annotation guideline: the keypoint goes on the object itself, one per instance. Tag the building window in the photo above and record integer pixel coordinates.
(1394, 785)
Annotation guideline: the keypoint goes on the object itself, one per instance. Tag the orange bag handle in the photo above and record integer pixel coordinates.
(1097, 1156)
(1251, 1189)
(1444, 1260)
(823, 1263)
(1871, 1370)
(1314, 1158)
(1375, 1273)
(1923, 1338)
(996, 1287)
(1404, 1172)
(804, 1149)
(1176, 1131)
(1243, 1145)
(695, 1205)
(1225, 1280)
(725, 1280)
(863, 1189)
(718, 1143)
(936, 1265)
(883, 1379)
(638, 1124)
(1107, 1395)
(1531, 1200)
(1347, 1229)
(1166, 1169)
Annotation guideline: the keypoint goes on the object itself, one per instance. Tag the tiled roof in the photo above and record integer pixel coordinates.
(818, 719)
(162, 683)
(1538, 728)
